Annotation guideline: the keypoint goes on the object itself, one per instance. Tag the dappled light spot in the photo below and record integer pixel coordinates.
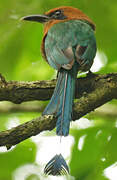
(12, 122)
(23, 172)
(98, 133)
(14, 16)
(103, 159)
(47, 147)
(81, 142)
(109, 138)
(82, 123)
(99, 61)
(116, 123)
(3, 149)
(54, 146)
(111, 172)
(19, 26)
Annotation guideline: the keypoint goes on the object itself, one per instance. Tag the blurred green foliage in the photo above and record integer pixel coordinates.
(20, 59)
(24, 152)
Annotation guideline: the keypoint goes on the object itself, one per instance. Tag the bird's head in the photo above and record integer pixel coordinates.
(57, 15)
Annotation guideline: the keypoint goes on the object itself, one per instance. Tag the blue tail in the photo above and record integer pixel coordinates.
(56, 166)
(62, 100)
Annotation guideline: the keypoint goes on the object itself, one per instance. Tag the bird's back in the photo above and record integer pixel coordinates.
(66, 35)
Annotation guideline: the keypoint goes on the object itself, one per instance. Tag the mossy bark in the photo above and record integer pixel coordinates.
(92, 91)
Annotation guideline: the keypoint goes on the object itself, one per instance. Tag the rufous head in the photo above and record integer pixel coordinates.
(57, 15)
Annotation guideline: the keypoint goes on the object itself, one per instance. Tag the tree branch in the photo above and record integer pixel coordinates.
(8, 107)
(18, 92)
(92, 91)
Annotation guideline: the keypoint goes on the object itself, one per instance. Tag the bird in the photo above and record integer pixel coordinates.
(68, 46)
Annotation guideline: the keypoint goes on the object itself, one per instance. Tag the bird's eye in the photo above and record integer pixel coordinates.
(57, 13)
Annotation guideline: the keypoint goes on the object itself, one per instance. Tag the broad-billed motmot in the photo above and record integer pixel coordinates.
(69, 46)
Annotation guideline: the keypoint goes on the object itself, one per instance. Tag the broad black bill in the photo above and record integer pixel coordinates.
(36, 18)
(56, 166)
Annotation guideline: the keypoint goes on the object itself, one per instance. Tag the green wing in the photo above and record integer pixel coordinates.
(65, 41)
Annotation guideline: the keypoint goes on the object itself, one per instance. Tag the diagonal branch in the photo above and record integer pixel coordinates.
(93, 91)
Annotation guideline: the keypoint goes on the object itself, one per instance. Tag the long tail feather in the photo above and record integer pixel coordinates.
(54, 102)
(56, 166)
(64, 113)
(62, 100)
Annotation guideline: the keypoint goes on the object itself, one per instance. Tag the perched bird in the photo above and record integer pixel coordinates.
(69, 46)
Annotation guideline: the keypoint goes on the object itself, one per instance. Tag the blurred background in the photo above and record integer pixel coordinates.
(91, 148)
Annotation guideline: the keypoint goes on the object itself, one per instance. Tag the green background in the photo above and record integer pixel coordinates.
(20, 59)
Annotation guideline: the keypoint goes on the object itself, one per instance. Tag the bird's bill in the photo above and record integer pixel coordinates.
(36, 18)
